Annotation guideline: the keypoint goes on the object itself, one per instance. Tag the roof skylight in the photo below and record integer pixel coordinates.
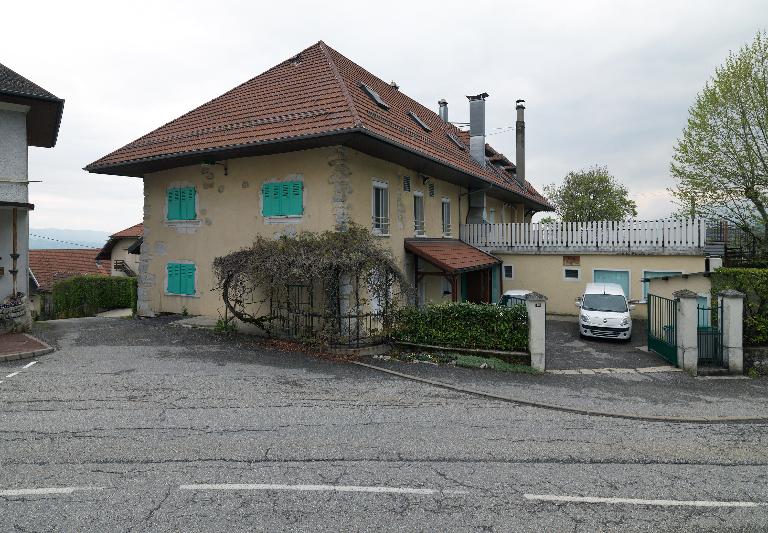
(374, 96)
(420, 122)
(456, 141)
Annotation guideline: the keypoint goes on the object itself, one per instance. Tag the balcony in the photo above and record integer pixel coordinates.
(649, 237)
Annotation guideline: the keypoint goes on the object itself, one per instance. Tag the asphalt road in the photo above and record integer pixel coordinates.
(138, 426)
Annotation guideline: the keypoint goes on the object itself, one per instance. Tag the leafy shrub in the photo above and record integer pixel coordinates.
(754, 283)
(87, 295)
(464, 325)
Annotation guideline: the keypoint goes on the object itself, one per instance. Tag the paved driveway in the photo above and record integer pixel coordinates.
(566, 350)
(137, 426)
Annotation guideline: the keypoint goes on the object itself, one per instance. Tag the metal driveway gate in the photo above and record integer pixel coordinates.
(662, 327)
(710, 335)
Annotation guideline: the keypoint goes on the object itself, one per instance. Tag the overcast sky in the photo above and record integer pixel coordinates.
(605, 82)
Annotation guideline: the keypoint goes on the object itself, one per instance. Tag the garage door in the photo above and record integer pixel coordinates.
(613, 276)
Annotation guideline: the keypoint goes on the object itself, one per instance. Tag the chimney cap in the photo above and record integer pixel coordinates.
(481, 96)
(520, 104)
(442, 102)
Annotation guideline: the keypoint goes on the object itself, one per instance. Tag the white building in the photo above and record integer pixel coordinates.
(29, 116)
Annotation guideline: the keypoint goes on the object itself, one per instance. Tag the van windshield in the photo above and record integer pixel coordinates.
(612, 303)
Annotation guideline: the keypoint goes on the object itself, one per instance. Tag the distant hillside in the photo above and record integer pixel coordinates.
(66, 238)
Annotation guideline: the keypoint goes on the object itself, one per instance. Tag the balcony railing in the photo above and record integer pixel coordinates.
(625, 236)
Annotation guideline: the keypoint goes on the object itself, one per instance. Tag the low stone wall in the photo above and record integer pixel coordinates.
(756, 357)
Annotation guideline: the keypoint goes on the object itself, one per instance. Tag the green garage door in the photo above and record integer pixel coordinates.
(613, 276)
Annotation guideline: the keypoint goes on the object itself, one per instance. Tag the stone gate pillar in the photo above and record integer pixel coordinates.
(536, 306)
(687, 331)
(733, 329)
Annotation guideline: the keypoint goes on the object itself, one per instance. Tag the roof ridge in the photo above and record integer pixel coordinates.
(342, 84)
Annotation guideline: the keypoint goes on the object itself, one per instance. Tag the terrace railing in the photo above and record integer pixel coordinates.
(623, 236)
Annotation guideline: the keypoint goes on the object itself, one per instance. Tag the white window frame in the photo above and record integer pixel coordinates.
(629, 276)
(577, 269)
(443, 225)
(384, 222)
(445, 286)
(645, 272)
(419, 232)
(504, 270)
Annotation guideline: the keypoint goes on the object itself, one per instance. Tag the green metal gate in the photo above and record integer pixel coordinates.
(710, 335)
(662, 327)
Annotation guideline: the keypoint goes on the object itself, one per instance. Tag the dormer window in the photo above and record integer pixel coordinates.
(373, 95)
(418, 121)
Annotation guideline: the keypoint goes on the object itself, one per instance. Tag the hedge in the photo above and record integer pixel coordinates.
(88, 295)
(754, 283)
(464, 325)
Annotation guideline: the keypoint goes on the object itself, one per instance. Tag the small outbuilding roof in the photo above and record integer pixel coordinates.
(49, 266)
(134, 232)
(451, 255)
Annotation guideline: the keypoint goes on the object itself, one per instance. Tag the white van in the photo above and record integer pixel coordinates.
(604, 312)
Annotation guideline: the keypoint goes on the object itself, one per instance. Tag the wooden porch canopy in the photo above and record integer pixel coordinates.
(452, 257)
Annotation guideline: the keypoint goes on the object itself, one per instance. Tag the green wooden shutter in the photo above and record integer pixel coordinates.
(188, 203)
(187, 284)
(463, 279)
(174, 278)
(173, 204)
(296, 198)
(271, 199)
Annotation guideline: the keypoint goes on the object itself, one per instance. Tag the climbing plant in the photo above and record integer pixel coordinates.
(338, 273)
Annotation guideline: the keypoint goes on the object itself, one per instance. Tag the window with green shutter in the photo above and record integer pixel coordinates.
(181, 278)
(181, 203)
(282, 199)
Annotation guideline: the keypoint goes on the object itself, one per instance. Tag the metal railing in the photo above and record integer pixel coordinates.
(353, 330)
(380, 225)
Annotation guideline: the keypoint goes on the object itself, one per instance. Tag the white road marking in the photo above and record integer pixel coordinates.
(29, 364)
(44, 491)
(13, 374)
(315, 488)
(636, 501)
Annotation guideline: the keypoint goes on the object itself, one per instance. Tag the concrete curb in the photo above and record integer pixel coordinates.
(552, 407)
(28, 355)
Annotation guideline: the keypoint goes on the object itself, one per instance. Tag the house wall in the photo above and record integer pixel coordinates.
(337, 189)
(13, 188)
(697, 283)
(120, 252)
(545, 274)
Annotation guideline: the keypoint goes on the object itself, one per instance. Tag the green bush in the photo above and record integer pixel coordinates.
(88, 295)
(754, 283)
(464, 325)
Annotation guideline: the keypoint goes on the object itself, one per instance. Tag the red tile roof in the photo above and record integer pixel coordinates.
(451, 255)
(50, 266)
(318, 92)
(133, 231)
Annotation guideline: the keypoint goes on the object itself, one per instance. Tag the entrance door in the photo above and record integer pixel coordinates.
(475, 282)
(620, 277)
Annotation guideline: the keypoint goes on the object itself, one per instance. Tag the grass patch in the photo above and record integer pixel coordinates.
(465, 361)
(473, 361)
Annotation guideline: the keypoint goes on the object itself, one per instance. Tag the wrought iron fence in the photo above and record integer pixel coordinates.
(353, 330)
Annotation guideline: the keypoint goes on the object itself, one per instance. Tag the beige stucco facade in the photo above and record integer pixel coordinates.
(698, 282)
(338, 187)
(545, 274)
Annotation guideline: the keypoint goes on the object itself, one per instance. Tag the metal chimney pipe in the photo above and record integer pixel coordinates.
(520, 142)
(477, 127)
(443, 109)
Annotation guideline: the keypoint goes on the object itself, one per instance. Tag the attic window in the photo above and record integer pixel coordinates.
(456, 141)
(374, 96)
(420, 122)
